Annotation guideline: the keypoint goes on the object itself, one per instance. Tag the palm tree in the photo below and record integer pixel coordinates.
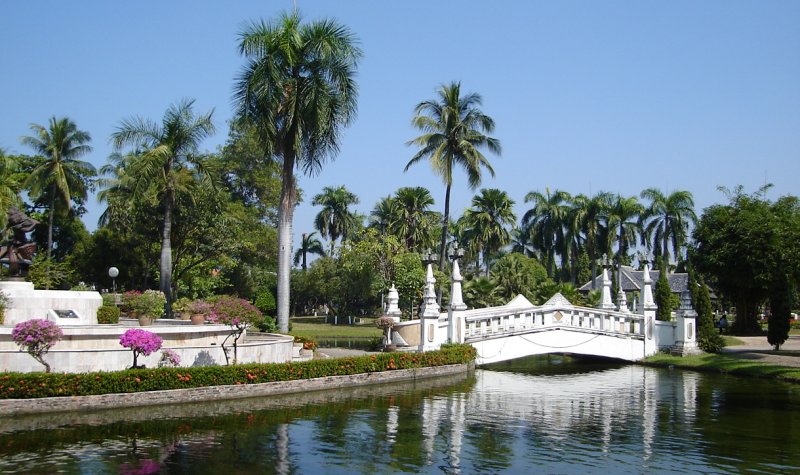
(308, 245)
(666, 221)
(335, 220)
(10, 185)
(383, 214)
(489, 218)
(547, 219)
(164, 163)
(623, 219)
(521, 241)
(413, 217)
(60, 174)
(298, 89)
(454, 132)
(587, 218)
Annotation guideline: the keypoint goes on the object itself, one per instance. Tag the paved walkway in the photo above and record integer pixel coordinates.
(756, 348)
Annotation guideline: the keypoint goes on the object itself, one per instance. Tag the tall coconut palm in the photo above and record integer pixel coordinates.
(61, 174)
(666, 221)
(308, 245)
(454, 133)
(335, 220)
(547, 219)
(163, 163)
(298, 88)
(489, 218)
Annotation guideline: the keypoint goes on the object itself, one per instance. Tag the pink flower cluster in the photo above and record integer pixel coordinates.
(140, 341)
(36, 336)
(235, 312)
(169, 359)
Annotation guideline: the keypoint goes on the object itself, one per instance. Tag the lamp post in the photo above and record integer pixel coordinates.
(455, 252)
(113, 272)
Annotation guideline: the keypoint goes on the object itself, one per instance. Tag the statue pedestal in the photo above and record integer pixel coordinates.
(65, 307)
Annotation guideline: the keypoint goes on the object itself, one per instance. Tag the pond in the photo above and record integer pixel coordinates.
(546, 415)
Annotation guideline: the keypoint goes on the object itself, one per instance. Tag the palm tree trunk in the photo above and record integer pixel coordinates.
(305, 247)
(443, 242)
(166, 253)
(50, 226)
(285, 214)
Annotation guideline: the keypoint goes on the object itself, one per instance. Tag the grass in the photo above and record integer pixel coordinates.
(727, 363)
(732, 341)
(314, 328)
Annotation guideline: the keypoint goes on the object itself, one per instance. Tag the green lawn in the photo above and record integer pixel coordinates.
(725, 363)
(314, 327)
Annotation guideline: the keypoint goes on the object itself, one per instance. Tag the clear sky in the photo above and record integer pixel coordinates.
(587, 95)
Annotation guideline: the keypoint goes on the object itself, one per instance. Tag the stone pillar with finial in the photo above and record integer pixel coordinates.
(392, 308)
(429, 314)
(456, 324)
(605, 302)
(648, 311)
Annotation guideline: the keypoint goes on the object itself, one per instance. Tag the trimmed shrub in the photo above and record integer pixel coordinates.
(266, 302)
(38, 385)
(141, 342)
(108, 314)
(267, 325)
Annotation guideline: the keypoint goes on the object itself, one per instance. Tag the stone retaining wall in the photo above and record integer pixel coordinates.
(15, 407)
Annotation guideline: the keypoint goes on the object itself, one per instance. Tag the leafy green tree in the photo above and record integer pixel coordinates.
(742, 244)
(708, 338)
(298, 90)
(516, 274)
(489, 220)
(780, 303)
(666, 222)
(335, 220)
(59, 174)
(482, 292)
(164, 162)
(454, 133)
(308, 245)
(547, 219)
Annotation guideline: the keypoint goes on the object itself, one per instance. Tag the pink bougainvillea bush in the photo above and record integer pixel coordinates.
(37, 337)
(141, 342)
(237, 313)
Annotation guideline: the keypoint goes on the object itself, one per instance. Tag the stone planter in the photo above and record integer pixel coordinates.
(198, 319)
(145, 321)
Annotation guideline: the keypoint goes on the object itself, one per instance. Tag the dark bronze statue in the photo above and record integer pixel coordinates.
(17, 252)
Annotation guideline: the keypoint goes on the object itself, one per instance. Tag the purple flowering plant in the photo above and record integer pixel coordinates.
(239, 314)
(37, 337)
(141, 342)
(169, 359)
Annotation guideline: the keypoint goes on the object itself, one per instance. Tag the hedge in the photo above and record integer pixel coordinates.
(108, 314)
(38, 385)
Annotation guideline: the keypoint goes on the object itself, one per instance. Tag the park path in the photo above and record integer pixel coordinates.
(756, 348)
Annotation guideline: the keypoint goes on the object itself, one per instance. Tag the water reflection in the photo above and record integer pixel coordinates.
(549, 414)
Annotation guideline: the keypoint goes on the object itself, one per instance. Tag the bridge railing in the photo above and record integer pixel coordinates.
(495, 322)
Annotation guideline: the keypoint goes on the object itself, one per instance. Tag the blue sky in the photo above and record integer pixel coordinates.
(587, 96)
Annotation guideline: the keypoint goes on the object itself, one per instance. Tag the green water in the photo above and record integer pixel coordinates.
(542, 415)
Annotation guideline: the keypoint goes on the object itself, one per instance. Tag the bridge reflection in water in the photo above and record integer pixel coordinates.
(547, 414)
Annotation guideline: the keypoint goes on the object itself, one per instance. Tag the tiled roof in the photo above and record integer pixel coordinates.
(633, 280)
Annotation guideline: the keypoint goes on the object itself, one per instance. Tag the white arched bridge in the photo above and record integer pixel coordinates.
(519, 328)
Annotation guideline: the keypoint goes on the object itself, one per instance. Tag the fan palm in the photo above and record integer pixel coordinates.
(298, 89)
(489, 219)
(61, 174)
(335, 220)
(666, 221)
(163, 164)
(454, 132)
(308, 245)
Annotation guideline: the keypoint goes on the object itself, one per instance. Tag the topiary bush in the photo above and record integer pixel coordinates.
(141, 342)
(108, 314)
(266, 302)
